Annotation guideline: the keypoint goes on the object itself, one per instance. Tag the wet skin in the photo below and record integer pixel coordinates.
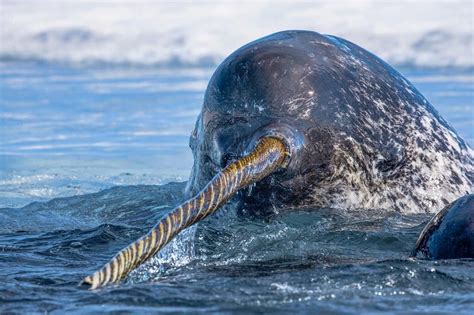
(450, 234)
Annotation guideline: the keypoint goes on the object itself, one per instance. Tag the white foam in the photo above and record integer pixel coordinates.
(422, 33)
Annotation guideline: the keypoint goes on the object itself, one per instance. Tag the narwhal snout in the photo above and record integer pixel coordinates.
(213, 156)
(294, 141)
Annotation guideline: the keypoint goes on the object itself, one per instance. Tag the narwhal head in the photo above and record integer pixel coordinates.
(256, 129)
(265, 88)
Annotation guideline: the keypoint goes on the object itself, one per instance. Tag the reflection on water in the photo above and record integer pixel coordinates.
(68, 131)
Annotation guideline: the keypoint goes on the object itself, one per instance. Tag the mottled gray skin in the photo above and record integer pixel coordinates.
(450, 234)
(361, 135)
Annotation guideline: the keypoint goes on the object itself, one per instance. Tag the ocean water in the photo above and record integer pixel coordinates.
(92, 157)
(97, 102)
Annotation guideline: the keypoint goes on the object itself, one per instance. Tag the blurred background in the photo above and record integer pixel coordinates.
(201, 33)
(101, 93)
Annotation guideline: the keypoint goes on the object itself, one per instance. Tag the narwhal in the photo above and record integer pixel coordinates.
(298, 118)
(450, 233)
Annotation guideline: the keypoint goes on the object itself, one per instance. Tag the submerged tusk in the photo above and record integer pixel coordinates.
(269, 154)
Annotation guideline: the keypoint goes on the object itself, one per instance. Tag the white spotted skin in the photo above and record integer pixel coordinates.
(437, 165)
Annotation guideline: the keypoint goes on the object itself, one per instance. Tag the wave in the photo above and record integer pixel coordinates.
(426, 34)
(137, 206)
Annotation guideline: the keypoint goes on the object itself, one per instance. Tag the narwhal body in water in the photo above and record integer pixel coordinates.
(450, 233)
(310, 119)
